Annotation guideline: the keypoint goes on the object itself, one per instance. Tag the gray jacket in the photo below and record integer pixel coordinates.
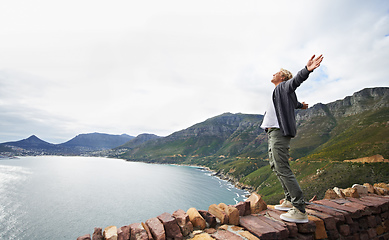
(285, 102)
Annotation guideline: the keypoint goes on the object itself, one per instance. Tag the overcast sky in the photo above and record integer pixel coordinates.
(71, 67)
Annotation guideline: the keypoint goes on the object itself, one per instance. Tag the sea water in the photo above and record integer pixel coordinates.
(53, 197)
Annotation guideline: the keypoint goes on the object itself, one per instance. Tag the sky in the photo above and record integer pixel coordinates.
(133, 67)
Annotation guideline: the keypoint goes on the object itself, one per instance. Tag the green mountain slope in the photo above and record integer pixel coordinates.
(354, 127)
(359, 136)
(226, 134)
(315, 177)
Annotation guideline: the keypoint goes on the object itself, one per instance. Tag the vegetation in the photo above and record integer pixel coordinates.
(315, 177)
(356, 136)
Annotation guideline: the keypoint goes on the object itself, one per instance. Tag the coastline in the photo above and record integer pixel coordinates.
(224, 177)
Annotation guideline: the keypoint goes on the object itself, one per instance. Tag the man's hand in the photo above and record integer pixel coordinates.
(314, 63)
(305, 105)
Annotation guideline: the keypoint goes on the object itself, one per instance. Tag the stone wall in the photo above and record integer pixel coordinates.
(359, 213)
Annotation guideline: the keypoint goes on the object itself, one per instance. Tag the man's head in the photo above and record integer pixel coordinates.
(286, 74)
(281, 76)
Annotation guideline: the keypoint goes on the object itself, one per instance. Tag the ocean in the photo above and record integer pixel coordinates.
(56, 197)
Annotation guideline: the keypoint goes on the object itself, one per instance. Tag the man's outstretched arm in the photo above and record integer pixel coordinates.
(312, 64)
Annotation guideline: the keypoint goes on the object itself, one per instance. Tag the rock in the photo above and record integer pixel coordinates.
(258, 227)
(110, 233)
(329, 220)
(223, 206)
(223, 227)
(279, 227)
(382, 185)
(381, 191)
(243, 208)
(232, 213)
(275, 214)
(85, 237)
(330, 194)
(257, 204)
(248, 235)
(351, 192)
(98, 234)
(172, 229)
(225, 235)
(380, 230)
(219, 213)
(210, 230)
(320, 230)
(372, 233)
(124, 233)
(145, 227)
(362, 190)
(370, 187)
(209, 218)
(156, 228)
(374, 158)
(196, 219)
(304, 236)
(196, 232)
(137, 232)
(182, 219)
(202, 236)
(339, 192)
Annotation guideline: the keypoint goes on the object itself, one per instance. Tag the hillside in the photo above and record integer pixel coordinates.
(138, 140)
(227, 134)
(356, 126)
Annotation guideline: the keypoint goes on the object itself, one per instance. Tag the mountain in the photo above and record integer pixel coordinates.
(32, 142)
(96, 141)
(80, 144)
(30, 145)
(356, 126)
(228, 134)
(138, 140)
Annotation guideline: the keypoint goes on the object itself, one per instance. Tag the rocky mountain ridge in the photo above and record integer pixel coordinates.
(213, 136)
(356, 126)
(332, 127)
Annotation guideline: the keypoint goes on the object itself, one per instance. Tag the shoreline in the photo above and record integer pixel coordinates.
(220, 175)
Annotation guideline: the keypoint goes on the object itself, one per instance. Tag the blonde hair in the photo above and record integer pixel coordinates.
(286, 74)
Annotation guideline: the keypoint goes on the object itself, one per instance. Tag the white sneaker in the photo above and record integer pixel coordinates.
(295, 215)
(284, 206)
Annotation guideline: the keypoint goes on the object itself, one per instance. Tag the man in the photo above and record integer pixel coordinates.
(280, 125)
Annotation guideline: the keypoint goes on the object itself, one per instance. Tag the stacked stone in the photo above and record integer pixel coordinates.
(361, 212)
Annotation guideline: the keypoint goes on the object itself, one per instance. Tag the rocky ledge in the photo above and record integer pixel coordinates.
(360, 212)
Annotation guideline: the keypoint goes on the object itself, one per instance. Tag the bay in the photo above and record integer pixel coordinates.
(55, 197)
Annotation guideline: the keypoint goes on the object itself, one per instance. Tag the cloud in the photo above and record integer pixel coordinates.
(159, 67)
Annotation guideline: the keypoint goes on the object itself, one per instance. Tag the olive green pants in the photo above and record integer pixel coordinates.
(279, 163)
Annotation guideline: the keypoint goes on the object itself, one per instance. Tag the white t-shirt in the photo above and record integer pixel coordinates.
(270, 119)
